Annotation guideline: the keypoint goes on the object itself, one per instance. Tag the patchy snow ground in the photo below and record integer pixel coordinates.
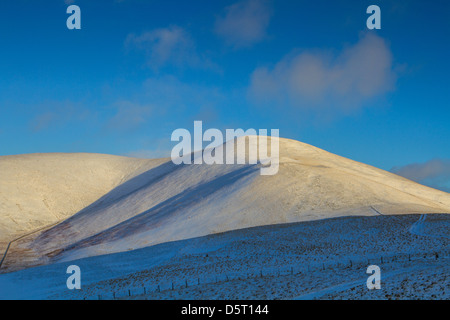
(324, 259)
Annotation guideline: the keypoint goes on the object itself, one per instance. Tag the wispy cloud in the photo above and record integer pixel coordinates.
(319, 79)
(129, 116)
(162, 102)
(43, 121)
(149, 154)
(151, 148)
(57, 114)
(168, 46)
(244, 23)
(434, 173)
(175, 96)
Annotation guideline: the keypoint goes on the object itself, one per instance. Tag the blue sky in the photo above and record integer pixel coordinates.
(137, 70)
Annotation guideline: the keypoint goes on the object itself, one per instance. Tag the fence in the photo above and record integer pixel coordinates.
(265, 272)
(23, 236)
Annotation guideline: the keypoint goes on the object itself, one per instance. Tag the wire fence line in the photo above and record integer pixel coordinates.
(286, 270)
(4, 254)
(279, 271)
(26, 235)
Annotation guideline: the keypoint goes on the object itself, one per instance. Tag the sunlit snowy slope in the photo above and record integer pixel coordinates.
(156, 201)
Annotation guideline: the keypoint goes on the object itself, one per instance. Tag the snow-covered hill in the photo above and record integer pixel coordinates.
(156, 201)
(40, 189)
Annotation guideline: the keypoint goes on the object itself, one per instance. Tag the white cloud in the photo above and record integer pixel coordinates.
(315, 79)
(244, 23)
(434, 173)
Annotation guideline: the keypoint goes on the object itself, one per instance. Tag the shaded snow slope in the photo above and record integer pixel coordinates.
(307, 260)
(170, 202)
